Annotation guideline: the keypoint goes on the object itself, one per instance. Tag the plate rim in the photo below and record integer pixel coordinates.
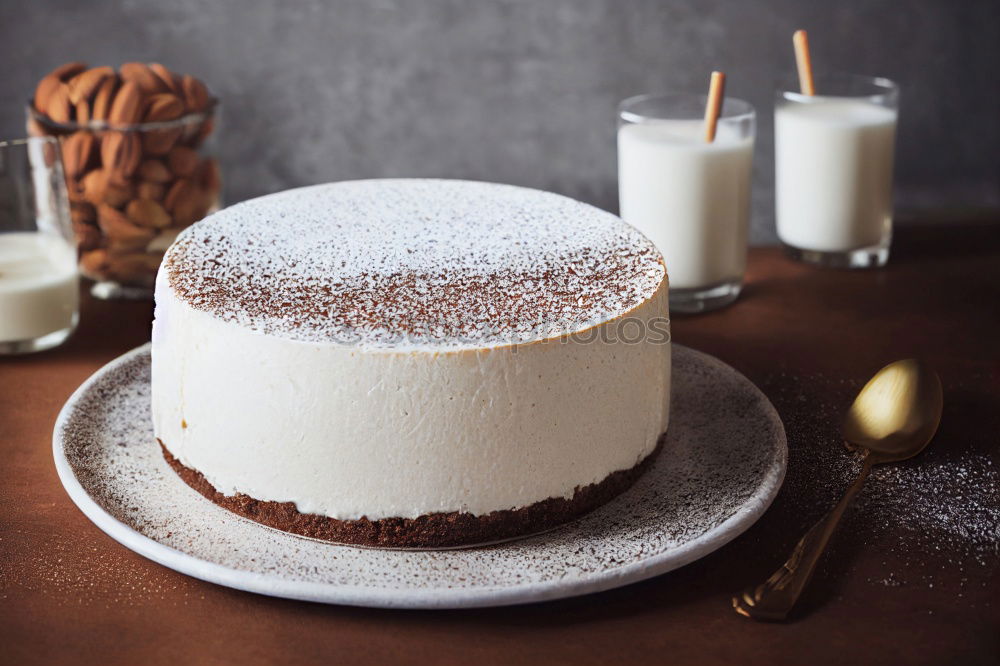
(419, 598)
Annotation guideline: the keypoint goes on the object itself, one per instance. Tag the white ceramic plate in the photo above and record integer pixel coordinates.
(722, 464)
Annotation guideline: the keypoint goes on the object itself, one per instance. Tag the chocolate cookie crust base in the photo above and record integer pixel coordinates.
(435, 530)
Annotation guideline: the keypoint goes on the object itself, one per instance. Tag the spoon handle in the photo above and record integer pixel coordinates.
(774, 598)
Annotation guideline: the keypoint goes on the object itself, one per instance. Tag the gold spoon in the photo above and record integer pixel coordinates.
(893, 418)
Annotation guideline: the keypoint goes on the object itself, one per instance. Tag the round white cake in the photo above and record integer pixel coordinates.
(410, 363)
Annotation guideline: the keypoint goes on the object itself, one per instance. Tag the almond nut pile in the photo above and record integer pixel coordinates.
(130, 147)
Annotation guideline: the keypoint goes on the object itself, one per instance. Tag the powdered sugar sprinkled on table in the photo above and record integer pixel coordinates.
(946, 500)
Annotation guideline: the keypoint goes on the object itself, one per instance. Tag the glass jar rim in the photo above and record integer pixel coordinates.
(187, 119)
(881, 88)
(25, 140)
(733, 108)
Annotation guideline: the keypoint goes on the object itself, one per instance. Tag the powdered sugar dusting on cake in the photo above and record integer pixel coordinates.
(385, 263)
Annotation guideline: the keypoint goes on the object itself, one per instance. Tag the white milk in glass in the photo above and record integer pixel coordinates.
(833, 161)
(38, 285)
(690, 197)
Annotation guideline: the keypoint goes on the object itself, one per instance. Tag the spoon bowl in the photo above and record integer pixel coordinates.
(894, 417)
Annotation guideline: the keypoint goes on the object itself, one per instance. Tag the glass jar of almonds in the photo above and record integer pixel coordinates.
(136, 146)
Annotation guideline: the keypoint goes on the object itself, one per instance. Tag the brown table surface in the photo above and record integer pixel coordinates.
(890, 591)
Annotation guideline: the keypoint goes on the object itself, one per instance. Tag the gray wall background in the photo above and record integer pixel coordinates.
(524, 91)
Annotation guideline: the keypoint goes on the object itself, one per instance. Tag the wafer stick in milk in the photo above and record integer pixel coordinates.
(716, 93)
(804, 63)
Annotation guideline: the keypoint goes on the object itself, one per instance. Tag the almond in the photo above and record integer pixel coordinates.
(51, 81)
(101, 186)
(140, 74)
(196, 96)
(182, 161)
(94, 264)
(163, 107)
(43, 92)
(127, 107)
(101, 106)
(58, 107)
(121, 152)
(150, 190)
(187, 202)
(160, 141)
(155, 171)
(180, 191)
(83, 86)
(83, 112)
(209, 176)
(169, 79)
(95, 185)
(117, 194)
(119, 229)
(68, 71)
(78, 151)
(147, 213)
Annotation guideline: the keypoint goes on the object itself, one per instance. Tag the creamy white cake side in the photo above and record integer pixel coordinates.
(346, 433)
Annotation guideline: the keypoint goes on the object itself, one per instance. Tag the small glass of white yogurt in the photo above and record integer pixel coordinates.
(38, 274)
(833, 170)
(691, 197)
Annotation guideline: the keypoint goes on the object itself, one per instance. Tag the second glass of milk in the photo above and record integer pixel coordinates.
(833, 170)
(689, 196)
(38, 274)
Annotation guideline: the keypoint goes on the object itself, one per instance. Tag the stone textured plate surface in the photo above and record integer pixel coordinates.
(722, 464)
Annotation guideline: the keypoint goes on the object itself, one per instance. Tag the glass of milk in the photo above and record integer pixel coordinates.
(833, 170)
(689, 196)
(38, 274)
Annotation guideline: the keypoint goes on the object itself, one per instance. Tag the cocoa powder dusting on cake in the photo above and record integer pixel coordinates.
(386, 263)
